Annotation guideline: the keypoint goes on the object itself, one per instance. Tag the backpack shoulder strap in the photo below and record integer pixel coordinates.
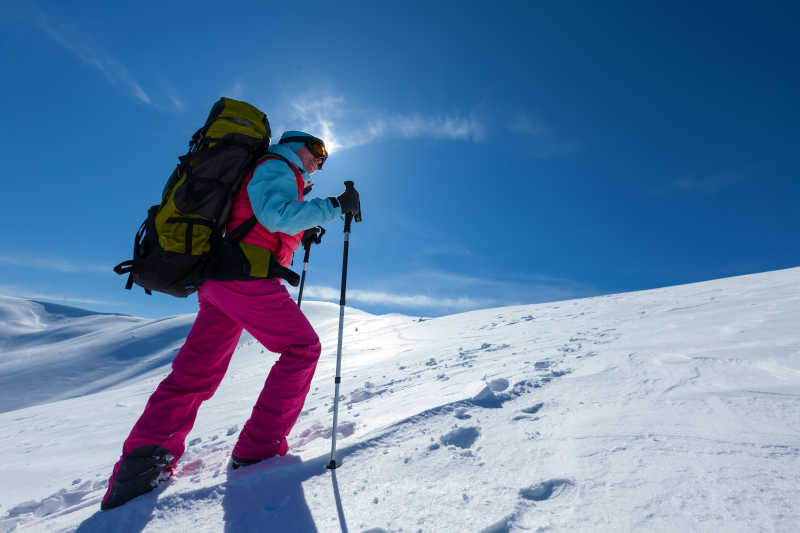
(273, 155)
(244, 228)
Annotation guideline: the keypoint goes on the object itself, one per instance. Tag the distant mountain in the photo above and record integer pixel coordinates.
(52, 352)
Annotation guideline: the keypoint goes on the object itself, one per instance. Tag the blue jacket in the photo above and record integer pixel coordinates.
(273, 196)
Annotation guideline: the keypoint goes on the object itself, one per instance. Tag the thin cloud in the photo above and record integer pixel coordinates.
(330, 105)
(527, 126)
(15, 292)
(543, 141)
(176, 101)
(327, 115)
(71, 38)
(531, 290)
(445, 248)
(401, 300)
(52, 264)
(706, 185)
(511, 290)
(437, 127)
(525, 290)
(236, 91)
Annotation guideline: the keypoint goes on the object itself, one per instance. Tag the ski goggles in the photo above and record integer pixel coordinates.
(314, 145)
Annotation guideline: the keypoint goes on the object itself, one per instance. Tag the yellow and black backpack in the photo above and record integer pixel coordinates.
(182, 242)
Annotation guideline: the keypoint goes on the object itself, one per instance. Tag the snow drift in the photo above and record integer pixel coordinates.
(662, 410)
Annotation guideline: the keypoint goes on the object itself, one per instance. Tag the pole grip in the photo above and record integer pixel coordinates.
(348, 185)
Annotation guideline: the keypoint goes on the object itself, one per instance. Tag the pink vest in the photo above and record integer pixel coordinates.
(282, 245)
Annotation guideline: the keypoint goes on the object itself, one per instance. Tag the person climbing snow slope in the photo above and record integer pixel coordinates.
(274, 192)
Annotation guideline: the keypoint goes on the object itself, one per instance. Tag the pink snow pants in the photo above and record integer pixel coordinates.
(266, 310)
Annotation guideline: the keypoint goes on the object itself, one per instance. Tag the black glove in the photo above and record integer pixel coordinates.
(349, 201)
(312, 236)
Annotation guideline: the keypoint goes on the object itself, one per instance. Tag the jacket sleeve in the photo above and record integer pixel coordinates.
(273, 197)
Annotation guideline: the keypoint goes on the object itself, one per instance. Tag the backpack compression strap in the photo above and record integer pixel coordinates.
(126, 267)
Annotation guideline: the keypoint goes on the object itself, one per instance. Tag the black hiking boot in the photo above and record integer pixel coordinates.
(140, 472)
(275, 447)
(236, 462)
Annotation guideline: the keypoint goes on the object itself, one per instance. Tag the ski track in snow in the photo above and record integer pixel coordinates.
(664, 410)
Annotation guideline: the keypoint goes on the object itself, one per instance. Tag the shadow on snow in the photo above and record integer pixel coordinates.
(260, 497)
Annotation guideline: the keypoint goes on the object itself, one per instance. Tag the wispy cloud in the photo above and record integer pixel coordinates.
(444, 247)
(176, 100)
(404, 300)
(26, 294)
(237, 90)
(451, 292)
(52, 264)
(70, 37)
(319, 116)
(343, 128)
(510, 290)
(706, 185)
(526, 125)
(543, 140)
(438, 127)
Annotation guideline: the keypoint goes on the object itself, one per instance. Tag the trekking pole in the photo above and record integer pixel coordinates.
(347, 220)
(307, 245)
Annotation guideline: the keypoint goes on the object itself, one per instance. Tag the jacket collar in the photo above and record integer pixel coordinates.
(288, 153)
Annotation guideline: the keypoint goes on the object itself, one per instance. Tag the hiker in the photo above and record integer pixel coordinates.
(273, 191)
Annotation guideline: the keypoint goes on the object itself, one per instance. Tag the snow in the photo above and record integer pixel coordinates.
(662, 410)
(66, 352)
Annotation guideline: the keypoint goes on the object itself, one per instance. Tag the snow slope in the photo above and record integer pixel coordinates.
(52, 352)
(663, 410)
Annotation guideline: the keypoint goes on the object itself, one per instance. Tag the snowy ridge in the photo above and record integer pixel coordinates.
(663, 410)
(52, 352)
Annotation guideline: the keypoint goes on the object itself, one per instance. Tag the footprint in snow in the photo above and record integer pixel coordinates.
(495, 394)
(77, 494)
(318, 431)
(533, 409)
(488, 397)
(527, 412)
(606, 336)
(545, 490)
(462, 414)
(461, 437)
(570, 349)
(497, 348)
(191, 468)
(365, 393)
(498, 385)
(466, 355)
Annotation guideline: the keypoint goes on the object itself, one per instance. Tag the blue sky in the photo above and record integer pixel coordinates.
(513, 153)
